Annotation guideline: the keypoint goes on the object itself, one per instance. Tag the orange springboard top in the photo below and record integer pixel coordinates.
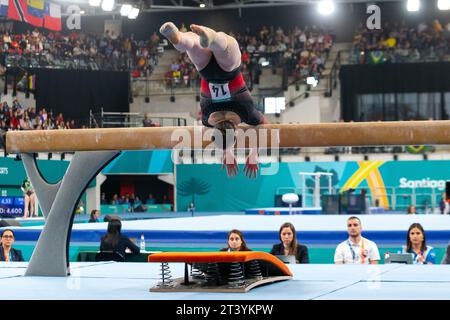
(207, 257)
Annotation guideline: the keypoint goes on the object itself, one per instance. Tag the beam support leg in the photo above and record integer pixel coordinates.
(58, 202)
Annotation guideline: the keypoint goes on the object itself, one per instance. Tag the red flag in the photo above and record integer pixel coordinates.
(18, 10)
(52, 16)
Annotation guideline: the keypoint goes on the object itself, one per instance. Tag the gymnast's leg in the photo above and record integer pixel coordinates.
(27, 204)
(224, 47)
(203, 42)
(188, 42)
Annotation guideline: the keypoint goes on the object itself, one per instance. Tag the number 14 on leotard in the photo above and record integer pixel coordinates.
(219, 92)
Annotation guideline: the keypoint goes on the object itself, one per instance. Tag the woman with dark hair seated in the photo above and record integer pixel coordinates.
(114, 241)
(289, 245)
(416, 244)
(7, 252)
(235, 242)
(95, 214)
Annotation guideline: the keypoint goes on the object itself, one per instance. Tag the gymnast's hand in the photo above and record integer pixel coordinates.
(229, 161)
(251, 165)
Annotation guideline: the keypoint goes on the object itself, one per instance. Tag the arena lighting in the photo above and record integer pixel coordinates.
(443, 4)
(108, 5)
(413, 5)
(134, 13)
(125, 10)
(202, 5)
(95, 3)
(325, 7)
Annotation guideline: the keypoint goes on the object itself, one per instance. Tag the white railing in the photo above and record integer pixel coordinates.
(426, 200)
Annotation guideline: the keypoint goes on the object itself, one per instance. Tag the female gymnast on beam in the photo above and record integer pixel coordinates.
(225, 100)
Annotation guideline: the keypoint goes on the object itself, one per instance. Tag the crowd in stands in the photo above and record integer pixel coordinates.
(18, 117)
(398, 42)
(302, 51)
(79, 50)
(182, 73)
(135, 203)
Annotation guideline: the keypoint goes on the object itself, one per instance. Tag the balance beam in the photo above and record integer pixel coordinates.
(59, 200)
(290, 136)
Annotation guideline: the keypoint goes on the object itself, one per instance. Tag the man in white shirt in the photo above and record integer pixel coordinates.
(356, 250)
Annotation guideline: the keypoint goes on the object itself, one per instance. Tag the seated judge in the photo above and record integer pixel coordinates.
(236, 242)
(115, 241)
(289, 245)
(7, 252)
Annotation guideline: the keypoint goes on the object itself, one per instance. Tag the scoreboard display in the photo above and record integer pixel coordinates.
(11, 207)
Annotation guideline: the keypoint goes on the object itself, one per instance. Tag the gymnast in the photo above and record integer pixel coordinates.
(225, 100)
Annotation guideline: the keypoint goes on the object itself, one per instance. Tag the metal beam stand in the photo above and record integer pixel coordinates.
(58, 202)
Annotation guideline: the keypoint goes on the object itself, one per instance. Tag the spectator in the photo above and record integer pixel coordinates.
(16, 105)
(356, 250)
(289, 245)
(150, 199)
(131, 201)
(95, 214)
(245, 58)
(115, 199)
(7, 252)
(235, 242)
(416, 244)
(103, 199)
(191, 208)
(175, 66)
(139, 206)
(411, 209)
(444, 206)
(137, 200)
(147, 122)
(115, 241)
(437, 26)
(154, 39)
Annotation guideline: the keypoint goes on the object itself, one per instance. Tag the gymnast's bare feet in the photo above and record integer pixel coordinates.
(171, 32)
(206, 34)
